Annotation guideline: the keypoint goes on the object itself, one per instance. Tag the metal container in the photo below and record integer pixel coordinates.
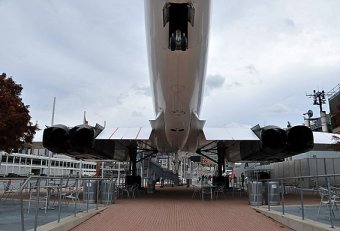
(151, 187)
(255, 189)
(107, 192)
(272, 193)
(90, 191)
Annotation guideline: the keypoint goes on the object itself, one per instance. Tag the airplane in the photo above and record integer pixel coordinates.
(177, 42)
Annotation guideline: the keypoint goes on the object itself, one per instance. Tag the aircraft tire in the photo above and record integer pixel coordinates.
(172, 43)
(184, 43)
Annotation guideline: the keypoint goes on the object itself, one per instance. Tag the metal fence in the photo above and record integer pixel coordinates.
(325, 182)
(41, 188)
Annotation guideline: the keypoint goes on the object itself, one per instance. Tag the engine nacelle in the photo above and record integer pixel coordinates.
(273, 139)
(81, 138)
(276, 143)
(299, 139)
(56, 138)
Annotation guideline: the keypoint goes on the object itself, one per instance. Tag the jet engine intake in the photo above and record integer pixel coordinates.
(277, 143)
(81, 138)
(299, 139)
(273, 139)
(55, 138)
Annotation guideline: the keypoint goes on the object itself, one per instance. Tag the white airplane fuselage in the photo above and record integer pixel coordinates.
(177, 33)
(177, 77)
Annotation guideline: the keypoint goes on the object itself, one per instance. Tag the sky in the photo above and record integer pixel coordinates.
(264, 57)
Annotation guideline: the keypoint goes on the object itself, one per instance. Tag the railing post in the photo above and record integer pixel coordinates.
(302, 205)
(113, 191)
(257, 190)
(88, 183)
(37, 206)
(59, 197)
(283, 197)
(268, 196)
(77, 195)
(22, 203)
(97, 194)
(330, 202)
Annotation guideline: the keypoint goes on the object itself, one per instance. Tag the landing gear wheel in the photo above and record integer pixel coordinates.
(173, 43)
(184, 43)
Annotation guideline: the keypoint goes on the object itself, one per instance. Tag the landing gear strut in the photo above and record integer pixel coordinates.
(178, 41)
(220, 179)
(133, 178)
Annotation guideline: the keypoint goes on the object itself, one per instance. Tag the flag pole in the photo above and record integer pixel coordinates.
(53, 111)
(49, 152)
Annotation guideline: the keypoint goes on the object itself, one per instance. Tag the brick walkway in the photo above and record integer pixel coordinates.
(172, 208)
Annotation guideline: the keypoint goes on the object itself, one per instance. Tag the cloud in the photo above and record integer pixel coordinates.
(251, 69)
(263, 58)
(277, 108)
(142, 90)
(213, 82)
(289, 22)
(137, 114)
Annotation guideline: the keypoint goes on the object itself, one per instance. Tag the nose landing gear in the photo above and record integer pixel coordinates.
(178, 42)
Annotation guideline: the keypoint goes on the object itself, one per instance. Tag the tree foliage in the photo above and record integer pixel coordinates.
(15, 126)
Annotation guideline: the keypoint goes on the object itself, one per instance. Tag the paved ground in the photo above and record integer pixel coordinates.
(172, 208)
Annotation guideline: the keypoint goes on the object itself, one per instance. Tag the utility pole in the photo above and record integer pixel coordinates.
(319, 98)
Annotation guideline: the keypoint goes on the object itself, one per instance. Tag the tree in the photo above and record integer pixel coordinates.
(15, 126)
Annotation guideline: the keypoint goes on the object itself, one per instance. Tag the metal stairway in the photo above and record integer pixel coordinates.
(158, 172)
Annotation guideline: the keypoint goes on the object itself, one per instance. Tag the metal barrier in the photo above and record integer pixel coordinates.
(272, 193)
(108, 192)
(90, 191)
(255, 193)
(58, 184)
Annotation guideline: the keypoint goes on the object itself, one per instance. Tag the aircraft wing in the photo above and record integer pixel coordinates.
(269, 143)
(87, 142)
(230, 138)
(137, 133)
(115, 143)
(229, 134)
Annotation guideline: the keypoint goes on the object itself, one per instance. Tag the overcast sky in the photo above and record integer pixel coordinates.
(264, 56)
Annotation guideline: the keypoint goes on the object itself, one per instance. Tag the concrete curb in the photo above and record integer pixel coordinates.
(295, 222)
(70, 222)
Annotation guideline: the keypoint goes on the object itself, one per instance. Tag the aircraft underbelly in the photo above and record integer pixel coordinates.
(177, 76)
